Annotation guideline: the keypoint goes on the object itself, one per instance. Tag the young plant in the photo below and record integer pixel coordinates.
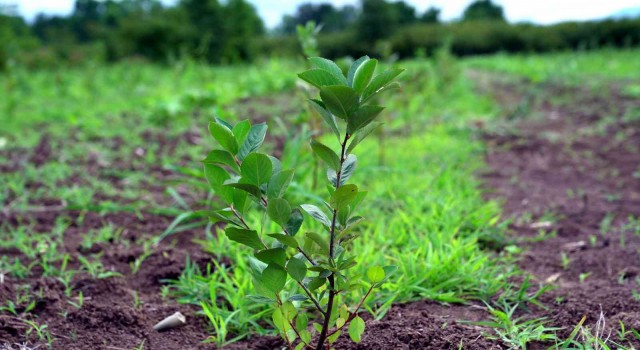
(304, 276)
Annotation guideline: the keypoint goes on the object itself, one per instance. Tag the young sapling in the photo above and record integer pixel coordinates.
(306, 277)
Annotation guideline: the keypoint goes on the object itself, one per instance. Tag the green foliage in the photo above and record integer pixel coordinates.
(318, 263)
(483, 10)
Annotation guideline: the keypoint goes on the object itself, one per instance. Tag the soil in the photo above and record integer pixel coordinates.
(576, 162)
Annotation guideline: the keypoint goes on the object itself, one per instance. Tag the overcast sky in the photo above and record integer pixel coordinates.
(539, 11)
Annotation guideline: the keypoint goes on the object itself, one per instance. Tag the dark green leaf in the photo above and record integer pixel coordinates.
(247, 237)
(219, 156)
(343, 196)
(253, 141)
(289, 241)
(298, 297)
(363, 75)
(279, 211)
(274, 277)
(295, 222)
(272, 255)
(354, 68)
(340, 100)
(326, 154)
(316, 283)
(362, 117)
(319, 78)
(348, 167)
(302, 322)
(319, 240)
(249, 188)
(279, 183)
(297, 269)
(317, 214)
(326, 115)
(380, 81)
(256, 169)
(224, 137)
(329, 66)
(361, 135)
(216, 177)
(241, 130)
(356, 328)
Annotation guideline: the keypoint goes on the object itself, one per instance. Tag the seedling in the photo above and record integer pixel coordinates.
(317, 263)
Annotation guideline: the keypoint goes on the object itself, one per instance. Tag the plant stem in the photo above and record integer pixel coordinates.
(332, 291)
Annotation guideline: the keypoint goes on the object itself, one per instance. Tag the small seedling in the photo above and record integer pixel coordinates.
(565, 261)
(584, 276)
(317, 263)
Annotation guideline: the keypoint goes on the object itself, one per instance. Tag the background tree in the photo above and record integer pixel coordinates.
(378, 20)
(431, 15)
(483, 10)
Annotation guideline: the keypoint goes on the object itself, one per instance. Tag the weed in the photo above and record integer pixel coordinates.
(41, 332)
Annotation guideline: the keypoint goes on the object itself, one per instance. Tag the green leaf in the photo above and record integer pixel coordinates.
(380, 81)
(326, 154)
(279, 321)
(272, 255)
(275, 164)
(279, 183)
(340, 100)
(362, 117)
(343, 196)
(356, 328)
(319, 78)
(302, 322)
(354, 68)
(249, 188)
(295, 222)
(288, 241)
(329, 66)
(319, 240)
(364, 74)
(375, 274)
(256, 169)
(224, 137)
(362, 134)
(216, 176)
(297, 269)
(219, 156)
(274, 277)
(318, 107)
(254, 139)
(317, 214)
(388, 271)
(348, 167)
(223, 123)
(279, 211)
(316, 283)
(247, 237)
(241, 130)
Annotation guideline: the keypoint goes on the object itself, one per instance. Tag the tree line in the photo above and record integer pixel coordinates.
(226, 31)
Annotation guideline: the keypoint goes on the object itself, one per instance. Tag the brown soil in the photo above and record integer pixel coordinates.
(578, 161)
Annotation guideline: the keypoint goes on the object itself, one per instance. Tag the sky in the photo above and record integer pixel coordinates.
(538, 11)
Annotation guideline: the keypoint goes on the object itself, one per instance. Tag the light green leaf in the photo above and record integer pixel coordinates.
(362, 134)
(319, 78)
(380, 81)
(326, 154)
(274, 277)
(348, 167)
(256, 169)
(254, 139)
(297, 269)
(319, 240)
(354, 68)
(288, 241)
(364, 74)
(329, 66)
(241, 130)
(247, 237)
(272, 255)
(223, 157)
(356, 329)
(279, 211)
(340, 100)
(318, 107)
(343, 196)
(279, 183)
(362, 117)
(249, 188)
(224, 137)
(375, 274)
(317, 214)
